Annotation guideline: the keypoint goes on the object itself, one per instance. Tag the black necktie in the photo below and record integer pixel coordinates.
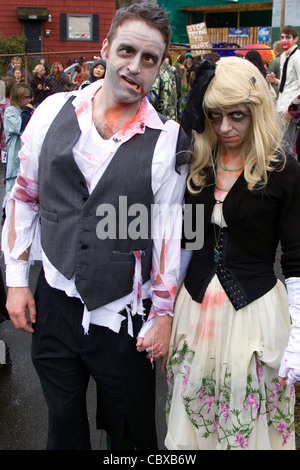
(283, 78)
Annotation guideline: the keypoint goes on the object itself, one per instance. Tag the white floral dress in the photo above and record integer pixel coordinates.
(222, 372)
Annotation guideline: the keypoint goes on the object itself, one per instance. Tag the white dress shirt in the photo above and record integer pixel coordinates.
(292, 83)
(92, 155)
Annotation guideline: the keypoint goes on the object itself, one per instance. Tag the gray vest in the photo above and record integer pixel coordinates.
(104, 268)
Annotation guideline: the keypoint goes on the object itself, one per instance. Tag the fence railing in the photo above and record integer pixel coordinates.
(216, 36)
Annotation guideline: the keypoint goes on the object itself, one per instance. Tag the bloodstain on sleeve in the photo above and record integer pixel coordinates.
(25, 190)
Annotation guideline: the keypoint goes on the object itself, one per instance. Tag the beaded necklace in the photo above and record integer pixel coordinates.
(228, 169)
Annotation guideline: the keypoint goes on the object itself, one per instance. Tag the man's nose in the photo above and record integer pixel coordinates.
(135, 64)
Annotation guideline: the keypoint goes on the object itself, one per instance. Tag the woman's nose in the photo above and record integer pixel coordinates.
(225, 123)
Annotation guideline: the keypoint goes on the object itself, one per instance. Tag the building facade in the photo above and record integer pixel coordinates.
(65, 27)
(220, 15)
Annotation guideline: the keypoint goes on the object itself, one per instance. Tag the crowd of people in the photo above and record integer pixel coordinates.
(196, 290)
(23, 96)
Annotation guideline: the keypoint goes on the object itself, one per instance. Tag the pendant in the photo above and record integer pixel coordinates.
(216, 255)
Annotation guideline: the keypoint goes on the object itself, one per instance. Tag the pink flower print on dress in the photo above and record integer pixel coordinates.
(286, 434)
(241, 440)
(186, 375)
(209, 401)
(200, 396)
(276, 394)
(259, 369)
(225, 407)
(252, 401)
(171, 381)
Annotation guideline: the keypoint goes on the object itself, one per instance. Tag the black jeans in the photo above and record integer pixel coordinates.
(64, 358)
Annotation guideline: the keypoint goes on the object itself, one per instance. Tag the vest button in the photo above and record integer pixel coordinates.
(84, 247)
(87, 214)
(85, 198)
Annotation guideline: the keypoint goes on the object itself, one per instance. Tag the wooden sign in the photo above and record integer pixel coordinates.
(198, 39)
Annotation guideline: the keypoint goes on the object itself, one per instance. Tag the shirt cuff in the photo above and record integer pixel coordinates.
(17, 274)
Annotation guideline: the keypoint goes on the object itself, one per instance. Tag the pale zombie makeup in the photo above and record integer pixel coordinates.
(287, 41)
(133, 60)
(231, 124)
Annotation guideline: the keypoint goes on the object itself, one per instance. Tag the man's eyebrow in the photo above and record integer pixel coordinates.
(124, 45)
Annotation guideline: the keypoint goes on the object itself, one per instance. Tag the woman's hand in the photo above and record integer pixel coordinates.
(157, 339)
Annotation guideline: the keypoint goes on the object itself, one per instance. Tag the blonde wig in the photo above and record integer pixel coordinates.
(238, 81)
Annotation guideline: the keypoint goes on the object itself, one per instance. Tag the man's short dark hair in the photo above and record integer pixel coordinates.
(152, 15)
(291, 30)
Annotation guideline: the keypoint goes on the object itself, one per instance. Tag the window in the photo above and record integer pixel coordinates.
(79, 27)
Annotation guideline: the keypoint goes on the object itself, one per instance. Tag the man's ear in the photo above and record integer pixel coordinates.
(104, 49)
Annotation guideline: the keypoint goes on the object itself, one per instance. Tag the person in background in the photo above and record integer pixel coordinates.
(16, 118)
(234, 355)
(16, 62)
(8, 83)
(177, 81)
(5, 359)
(40, 85)
(294, 110)
(164, 92)
(255, 57)
(212, 56)
(190, 68)
(274, 65)
(289, 83)
(43, 62)
(90, 312)
(17, 75)
(81, 72)
(58, 81)
(97, 73)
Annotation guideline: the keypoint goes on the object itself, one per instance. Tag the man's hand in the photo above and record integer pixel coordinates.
(157, 340)
(19, 302)
(271, 78)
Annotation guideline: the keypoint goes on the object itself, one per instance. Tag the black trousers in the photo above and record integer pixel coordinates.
(65, 358)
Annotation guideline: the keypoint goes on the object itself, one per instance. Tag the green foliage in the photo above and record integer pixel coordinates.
(14, 45)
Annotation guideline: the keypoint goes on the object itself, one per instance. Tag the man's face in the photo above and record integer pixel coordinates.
(133, 60)
(17, 63)
(287, 41)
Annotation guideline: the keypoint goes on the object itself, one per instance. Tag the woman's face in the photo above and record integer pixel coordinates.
(231, 125)
(99, 71)
(17, 74)
(26, 98)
